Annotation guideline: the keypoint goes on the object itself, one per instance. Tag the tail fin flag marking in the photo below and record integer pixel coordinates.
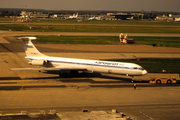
(29, 46)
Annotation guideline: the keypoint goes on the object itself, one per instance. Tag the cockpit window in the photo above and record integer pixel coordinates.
(140, 68)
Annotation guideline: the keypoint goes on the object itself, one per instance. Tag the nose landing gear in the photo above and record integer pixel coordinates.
(132, 79)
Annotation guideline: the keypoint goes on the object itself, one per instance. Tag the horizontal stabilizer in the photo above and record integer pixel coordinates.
(27, 38)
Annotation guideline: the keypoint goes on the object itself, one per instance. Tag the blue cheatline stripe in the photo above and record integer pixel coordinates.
(87, 64)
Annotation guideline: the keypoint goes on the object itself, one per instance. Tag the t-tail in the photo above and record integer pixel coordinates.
(30, 49)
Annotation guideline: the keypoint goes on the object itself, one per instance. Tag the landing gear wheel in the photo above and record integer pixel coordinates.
(63, 75)
(74, 72)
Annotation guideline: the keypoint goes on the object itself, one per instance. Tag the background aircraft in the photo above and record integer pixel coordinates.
(75, 16)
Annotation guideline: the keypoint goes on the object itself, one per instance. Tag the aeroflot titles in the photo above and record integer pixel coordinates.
(109, 64)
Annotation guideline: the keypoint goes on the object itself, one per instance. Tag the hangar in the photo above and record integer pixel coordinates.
(121, 16)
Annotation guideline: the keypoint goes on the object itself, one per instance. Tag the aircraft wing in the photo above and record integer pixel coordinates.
(47, 69)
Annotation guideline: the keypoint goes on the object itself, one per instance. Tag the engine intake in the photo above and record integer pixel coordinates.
(39, 62)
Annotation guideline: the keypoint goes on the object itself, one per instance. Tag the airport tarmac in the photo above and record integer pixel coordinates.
(95, 92)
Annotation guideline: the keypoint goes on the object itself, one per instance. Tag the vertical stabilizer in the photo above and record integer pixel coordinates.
(30, 49)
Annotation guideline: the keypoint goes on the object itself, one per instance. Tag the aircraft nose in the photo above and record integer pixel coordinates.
(144, 72)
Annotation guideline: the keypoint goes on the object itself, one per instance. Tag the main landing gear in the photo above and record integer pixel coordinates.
(65, 74)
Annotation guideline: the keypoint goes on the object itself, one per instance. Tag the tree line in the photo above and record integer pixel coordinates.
(8, 13)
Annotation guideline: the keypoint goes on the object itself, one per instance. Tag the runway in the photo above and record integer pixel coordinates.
(33, 91)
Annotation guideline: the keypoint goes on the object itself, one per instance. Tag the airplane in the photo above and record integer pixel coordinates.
(94, 18)
(71, 66)
(75, 16)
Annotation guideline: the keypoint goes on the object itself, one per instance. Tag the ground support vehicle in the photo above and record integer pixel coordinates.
(124, 39)
(163, 80)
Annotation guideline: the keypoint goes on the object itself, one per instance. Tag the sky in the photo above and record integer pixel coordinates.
(117, 5)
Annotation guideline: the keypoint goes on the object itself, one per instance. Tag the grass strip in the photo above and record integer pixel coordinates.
(90, 28)
(157, 41)
(114, 22)
(77, 39)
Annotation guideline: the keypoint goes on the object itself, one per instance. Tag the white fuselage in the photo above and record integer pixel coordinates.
(129, 69)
